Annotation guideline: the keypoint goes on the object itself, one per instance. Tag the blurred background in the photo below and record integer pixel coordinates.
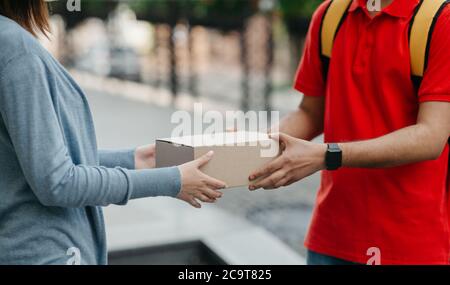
(138, 62)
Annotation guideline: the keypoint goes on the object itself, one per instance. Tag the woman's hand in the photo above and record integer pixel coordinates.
(198, 186)
(299, 159)
(144, 157)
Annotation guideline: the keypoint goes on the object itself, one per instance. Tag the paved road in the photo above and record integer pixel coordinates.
(286, 213)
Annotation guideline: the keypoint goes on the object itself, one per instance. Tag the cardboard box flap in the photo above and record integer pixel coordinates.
(224, 139)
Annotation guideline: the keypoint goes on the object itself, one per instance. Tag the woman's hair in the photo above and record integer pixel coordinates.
(32, 15)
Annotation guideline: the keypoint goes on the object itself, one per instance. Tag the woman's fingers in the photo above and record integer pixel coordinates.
(214, 183)
(194, 203)
(204, 198)
(207, 194)
(196, 186)
(212, 193)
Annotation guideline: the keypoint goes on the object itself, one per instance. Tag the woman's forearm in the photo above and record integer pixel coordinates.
(99, 186)
(117, 158)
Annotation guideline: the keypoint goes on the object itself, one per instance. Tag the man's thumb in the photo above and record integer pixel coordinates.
(280, 137)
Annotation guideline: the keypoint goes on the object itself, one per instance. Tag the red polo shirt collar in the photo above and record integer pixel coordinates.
(398, 8)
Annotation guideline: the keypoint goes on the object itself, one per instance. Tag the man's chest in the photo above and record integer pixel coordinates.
(373, 48)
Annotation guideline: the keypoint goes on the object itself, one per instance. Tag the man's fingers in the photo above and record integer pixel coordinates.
(263, 183)
(269, 182)
(204, 159)
(289, 182)
(282, 182)
(268, 169)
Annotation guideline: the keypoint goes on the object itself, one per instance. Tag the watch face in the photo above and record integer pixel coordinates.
(333, 158)
(334, 148)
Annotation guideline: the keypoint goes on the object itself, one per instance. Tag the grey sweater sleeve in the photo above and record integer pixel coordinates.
(26, 107)
(117, 157)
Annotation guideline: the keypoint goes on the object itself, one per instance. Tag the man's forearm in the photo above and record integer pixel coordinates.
(409, 145)
(306, 122)
(423, 141)
(298, 124)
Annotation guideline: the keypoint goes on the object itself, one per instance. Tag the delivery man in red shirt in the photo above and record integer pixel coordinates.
(385, 162)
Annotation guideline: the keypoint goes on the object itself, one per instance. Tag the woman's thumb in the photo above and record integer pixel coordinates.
(204, 159)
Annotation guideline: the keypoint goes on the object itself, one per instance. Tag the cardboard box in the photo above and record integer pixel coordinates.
(236, 155)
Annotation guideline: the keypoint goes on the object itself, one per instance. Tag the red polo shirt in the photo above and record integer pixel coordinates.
(369, 93)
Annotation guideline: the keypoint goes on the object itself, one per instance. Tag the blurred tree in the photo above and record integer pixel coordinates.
(297, 15)
(225, 14)
(222, 14)
(295, 9)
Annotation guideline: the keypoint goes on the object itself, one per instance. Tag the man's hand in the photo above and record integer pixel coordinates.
(299, 159)
(144, 157)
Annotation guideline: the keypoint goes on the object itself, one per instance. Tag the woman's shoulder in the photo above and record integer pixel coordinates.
(16, 41)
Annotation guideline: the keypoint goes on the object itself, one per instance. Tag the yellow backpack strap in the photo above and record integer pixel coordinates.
(421, 29)
(332, 20)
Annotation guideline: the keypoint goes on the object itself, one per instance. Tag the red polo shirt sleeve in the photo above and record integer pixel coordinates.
(436, 81)
(309, 79)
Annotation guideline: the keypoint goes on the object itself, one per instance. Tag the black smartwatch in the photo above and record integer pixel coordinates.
(333, 157)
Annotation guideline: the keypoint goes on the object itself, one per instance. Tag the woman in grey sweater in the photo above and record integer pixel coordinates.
(53, 179)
